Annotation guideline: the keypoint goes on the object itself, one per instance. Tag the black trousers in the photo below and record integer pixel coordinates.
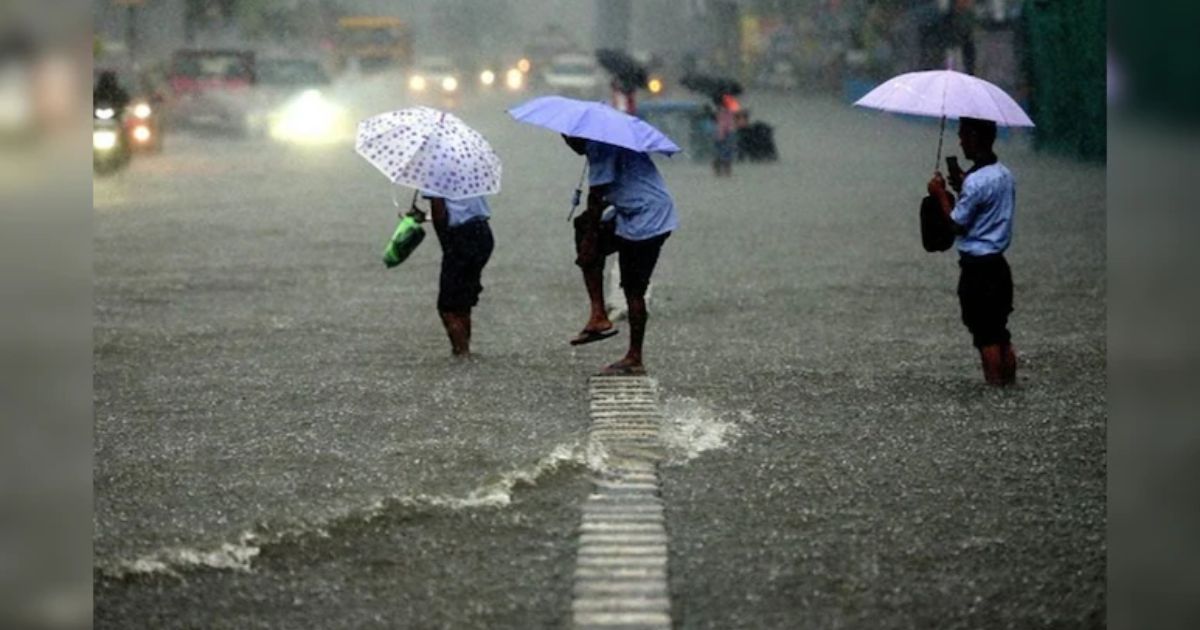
(985, 294)
(466, 249)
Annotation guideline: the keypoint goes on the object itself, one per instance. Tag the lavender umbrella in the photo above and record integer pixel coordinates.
(946, 94)
(430, 150)
(594, 121)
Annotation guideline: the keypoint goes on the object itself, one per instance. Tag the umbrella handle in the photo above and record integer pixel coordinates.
(578, 191)
(941, 136)
(411, 205)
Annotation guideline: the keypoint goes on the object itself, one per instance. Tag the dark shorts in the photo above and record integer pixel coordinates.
(466, 249)
(636, 258)
(725, 149)
(985, 293)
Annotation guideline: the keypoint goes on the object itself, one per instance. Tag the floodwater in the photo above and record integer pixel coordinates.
(283, 440)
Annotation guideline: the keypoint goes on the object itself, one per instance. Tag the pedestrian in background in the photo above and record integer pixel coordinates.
(642, 218)
(466, 239)
(725, 134)
(983, 220)
(624, 96)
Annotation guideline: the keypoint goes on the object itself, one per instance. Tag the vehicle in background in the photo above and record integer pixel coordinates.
(372, 43)
(210, 87)
(502, 76)
(576, 76)
(141, 120)
(110, 146)
(291, 102)
(143, 125)
(434, 76)
(541, 48)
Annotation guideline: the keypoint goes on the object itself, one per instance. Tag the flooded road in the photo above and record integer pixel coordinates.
(283, 440)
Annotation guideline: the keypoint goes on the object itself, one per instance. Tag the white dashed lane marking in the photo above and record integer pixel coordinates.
(621, 564)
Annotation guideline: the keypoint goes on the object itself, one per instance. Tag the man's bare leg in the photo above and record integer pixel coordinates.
(631, 364)
(458, 329)
(593, 279)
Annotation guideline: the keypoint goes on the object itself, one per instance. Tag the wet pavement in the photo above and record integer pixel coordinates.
(282, 439)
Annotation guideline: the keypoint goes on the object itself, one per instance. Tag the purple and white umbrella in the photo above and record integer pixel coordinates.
(430, 150)
(946, 94)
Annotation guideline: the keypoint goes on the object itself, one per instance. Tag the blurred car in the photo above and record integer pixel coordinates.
(575, 75)
(435, 75)
(291, 101)
(210, 87)
(143, 125)
(502, 76)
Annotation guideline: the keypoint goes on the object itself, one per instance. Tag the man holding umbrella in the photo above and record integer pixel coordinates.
(642, 219)
(982, 218)
(621, 175)
(453, 167)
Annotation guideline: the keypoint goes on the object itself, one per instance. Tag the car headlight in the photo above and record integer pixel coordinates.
(416, 83)
(449, 84)
(487, 77)
(523, 65)
(514, 79)
(104, 140)
(307, 118)
(142, 111)
(105, 113)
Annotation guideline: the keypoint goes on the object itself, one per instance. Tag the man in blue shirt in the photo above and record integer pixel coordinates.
(643, 218)
(983, 218)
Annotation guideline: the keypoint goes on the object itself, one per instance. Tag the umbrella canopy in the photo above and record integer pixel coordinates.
(431, 150)
(713, 87)
(624, 68)
(594, 121)
(946, 94)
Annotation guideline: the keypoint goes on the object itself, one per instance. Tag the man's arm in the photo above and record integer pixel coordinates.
(937, 190)
(595, 202)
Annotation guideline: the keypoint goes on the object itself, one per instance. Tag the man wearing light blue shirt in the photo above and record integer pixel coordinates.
(643, 218)
(982, 218)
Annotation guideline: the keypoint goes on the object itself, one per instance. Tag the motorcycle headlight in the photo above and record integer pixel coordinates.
(142, 110)
(104, 140)
(487, 77)
(141, 134)
(416, 83)
(655, 85)
(449, 84)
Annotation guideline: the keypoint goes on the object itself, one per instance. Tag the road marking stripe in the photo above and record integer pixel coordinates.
(625, 619)
(621, 559)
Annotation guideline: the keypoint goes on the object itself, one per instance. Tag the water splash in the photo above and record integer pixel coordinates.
(690, 429)
(496, 492)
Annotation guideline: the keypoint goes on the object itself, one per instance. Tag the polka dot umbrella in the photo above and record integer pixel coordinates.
(430, 150)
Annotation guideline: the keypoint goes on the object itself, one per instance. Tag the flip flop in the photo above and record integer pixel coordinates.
(588, 336)
(622, 370)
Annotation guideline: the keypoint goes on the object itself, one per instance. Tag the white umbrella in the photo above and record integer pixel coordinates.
(946, 94)
(430, 150)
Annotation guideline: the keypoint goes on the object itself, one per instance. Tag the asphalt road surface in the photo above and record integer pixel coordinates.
(282, 439)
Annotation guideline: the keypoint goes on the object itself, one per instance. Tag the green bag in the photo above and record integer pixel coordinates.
(405, 239)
